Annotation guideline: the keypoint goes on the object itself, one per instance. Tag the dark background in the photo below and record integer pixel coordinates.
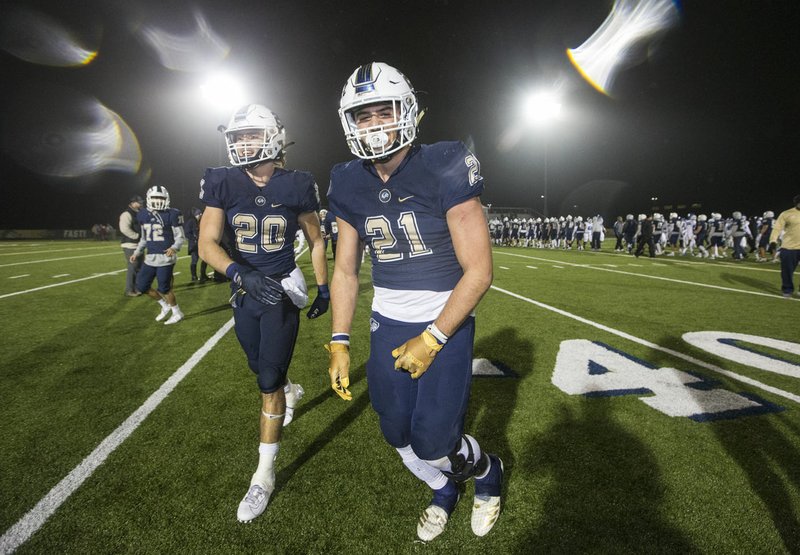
(709, 117)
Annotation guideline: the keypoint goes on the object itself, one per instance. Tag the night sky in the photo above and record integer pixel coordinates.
(708, 115)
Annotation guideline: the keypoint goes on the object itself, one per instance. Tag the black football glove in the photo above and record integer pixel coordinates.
(261, 287)
(320, 304)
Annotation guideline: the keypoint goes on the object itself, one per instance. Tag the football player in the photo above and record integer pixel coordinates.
(629, 232)
(418, 206)
(265, 205)
(738, 232)
(580, 231)
(700, 234)
(162, 237)
(764, 231)
(658, 231)
(716, 235)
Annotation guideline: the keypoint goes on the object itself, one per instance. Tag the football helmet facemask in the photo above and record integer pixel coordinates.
(157, 198)
(376, 83)
(265, 136)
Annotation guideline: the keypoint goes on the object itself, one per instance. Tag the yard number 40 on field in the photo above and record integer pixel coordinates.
(594, 369)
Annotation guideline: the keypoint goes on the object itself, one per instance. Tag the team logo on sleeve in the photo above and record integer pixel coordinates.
(260, 201)
(385, 196)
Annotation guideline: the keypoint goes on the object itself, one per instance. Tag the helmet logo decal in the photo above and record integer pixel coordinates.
(385, 196)
(260, 201)
(364, 81)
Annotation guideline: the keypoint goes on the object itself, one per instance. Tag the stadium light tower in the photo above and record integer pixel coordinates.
(541, 110)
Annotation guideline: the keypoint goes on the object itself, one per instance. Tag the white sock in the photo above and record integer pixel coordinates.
(265, 473)
(176, 309)
(422, 470)
(163, 303)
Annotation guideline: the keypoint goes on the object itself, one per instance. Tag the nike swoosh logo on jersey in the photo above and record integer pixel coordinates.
(403, 199)
(276, 205)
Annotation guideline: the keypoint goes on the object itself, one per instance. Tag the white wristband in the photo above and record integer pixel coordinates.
(437, 333)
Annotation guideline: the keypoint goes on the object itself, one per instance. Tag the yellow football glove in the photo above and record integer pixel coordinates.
(416, 354)
(339, 369)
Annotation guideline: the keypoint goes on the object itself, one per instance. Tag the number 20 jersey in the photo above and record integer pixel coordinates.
(414, 266)
(264, 219)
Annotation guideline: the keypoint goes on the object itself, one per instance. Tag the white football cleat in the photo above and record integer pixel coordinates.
(293, 397)
(163, 313)
(431, 523)
(174, 319)
(486, 507)
(254, 503)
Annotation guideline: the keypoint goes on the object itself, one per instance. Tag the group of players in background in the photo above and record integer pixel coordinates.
(694, 235)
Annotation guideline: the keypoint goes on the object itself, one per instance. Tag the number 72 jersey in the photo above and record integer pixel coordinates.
(404, 221)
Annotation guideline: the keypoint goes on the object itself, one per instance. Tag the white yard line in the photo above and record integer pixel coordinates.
(654, 346)
(25, 527)
(60, 259)
(661, 278)
(106, 247)
(15, 293)
(115, 272)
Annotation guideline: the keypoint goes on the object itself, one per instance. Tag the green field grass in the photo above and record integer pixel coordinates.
(605, 472)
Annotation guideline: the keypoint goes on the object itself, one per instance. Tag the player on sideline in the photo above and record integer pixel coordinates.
(162, 236)
(418, 207)
(264, 205)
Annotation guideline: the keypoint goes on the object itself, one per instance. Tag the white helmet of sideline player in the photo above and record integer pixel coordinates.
(157, 198)
(374, 83)
(264, 137)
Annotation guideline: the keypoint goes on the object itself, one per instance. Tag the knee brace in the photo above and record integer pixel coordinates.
(464, 461)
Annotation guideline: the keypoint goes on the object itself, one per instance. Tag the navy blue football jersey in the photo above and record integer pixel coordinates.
(331, 227)
(404, 220)
(157, 229)
(263, 219)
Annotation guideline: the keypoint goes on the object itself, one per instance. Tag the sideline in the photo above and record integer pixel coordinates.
(25, 527)
(656, 347)
(661, 278)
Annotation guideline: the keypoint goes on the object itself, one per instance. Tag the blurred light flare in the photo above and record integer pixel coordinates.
(600, 58)
(542, 108)
(224, 91)
(80, 138)
(39, 39)
(189, 53)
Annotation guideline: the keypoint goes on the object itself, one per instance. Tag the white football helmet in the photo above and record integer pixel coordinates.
(269, 135)
(769, 214)
(157, 198)
(737, 215)
(373, 83)
(702, 218)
